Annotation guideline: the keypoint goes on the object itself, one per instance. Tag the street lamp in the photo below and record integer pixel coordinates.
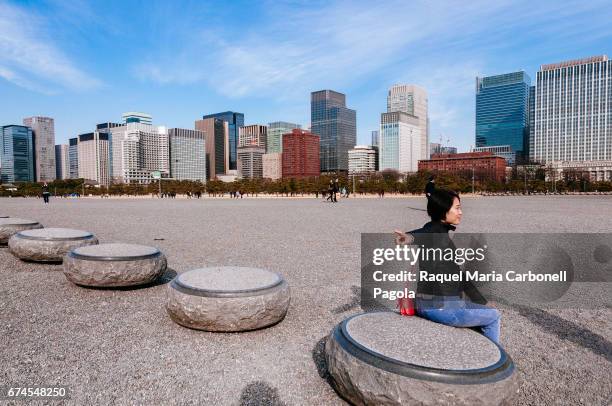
(472, 179)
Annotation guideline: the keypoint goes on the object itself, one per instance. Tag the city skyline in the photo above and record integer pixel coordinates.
(273, 69)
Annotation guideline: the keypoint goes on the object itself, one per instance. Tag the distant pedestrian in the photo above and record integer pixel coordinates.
(45, 193)
(335, 191)
(330, 191)
(430, 187)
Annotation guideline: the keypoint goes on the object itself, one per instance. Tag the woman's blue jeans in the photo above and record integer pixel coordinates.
(457, 312)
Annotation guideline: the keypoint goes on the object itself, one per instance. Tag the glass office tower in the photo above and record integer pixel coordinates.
(73, 157)
(336, 125)
(275, 135)
(234, 121)
(16, 154)
(502, 112)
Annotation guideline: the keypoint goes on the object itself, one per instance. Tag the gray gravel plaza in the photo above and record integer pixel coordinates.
(120, 347)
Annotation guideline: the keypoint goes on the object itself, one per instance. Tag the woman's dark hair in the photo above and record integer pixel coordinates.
(439, 203)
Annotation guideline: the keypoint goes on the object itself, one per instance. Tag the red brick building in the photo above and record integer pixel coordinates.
(300, 154)
(485, 165)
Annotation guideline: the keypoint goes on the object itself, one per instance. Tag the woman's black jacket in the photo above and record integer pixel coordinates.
(435, 235)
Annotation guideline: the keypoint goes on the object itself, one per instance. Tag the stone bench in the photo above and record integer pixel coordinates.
(384, 358)
(228, 299)
(114, 265)
(48, 244)
(11, 225)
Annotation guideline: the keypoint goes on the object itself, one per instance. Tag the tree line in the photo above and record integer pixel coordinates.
(388, 181)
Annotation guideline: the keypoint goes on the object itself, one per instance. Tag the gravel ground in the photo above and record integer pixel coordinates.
(120, 347)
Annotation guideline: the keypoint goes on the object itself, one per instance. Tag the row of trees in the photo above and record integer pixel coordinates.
(387, 181)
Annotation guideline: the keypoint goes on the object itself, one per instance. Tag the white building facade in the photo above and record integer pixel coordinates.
(250, 161)
(255, 134)
(573, 116)
(93, 157)
(399, 142)
(137, 150)
(412, 99)
(362, 160)
(272, 165)
(43, 129)
(187, 154)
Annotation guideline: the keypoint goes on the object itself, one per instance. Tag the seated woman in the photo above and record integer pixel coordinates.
(447, 302)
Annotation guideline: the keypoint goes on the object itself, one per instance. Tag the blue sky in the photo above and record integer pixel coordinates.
(87, 62)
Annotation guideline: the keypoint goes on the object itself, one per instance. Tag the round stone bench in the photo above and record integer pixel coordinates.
(114, 265)
(11, 225)
(48, 244)
(228, 299)
(384, 358)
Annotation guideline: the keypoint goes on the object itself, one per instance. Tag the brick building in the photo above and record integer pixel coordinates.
(485, 165)
(300, 157)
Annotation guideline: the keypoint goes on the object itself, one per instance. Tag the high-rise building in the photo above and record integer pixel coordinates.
(43, 129)
(336, 125)
(573, 116)
(272, 165)
(362, 160)
(275, 135)
(135, 117)
(73, 157)
(531, 122)
(187, 154)
(94, 157)
(375, 138)
(301, 154)
(234, 122)
(400, 142)
(216, 132)
(62, 162)
(412, 100)
(255, 134)
(502, 111)
(16, 154)
(250, 161)
(137, 150)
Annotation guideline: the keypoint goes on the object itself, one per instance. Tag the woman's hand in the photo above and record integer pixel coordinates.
(401, 238)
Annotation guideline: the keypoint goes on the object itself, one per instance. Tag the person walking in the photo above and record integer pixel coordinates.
(45, 193)
(330, 191)
(430, 186)
(335, 191)
(457, 304)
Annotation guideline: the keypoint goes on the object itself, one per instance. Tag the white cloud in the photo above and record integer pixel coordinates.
(296, 50)
(31, 59)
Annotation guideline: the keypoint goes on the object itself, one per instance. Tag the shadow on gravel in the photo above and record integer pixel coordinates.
(260, 393)
(353, 304)
(567, 330)
(415, 208)
(162, 280)
(318, 357)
